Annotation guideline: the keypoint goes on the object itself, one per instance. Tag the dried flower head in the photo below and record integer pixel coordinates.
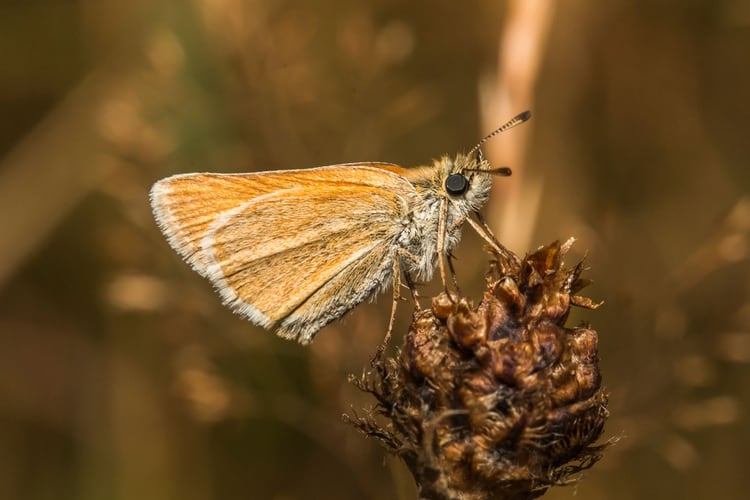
(499, 400)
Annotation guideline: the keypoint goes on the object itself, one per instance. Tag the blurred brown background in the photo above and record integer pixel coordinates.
(122, 376)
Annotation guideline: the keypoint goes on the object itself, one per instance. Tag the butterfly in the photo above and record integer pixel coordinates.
(293, 250)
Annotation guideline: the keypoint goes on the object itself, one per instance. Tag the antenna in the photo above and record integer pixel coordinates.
(516, 120)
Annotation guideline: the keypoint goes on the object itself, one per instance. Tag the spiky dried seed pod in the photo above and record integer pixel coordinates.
(495, 401)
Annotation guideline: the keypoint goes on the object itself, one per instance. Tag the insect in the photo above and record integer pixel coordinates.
(293, 250)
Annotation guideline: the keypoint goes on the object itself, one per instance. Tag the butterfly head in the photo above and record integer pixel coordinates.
(469, 177)
(465, 180)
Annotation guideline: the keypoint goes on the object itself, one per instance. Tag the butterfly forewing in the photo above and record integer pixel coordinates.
(186, 205)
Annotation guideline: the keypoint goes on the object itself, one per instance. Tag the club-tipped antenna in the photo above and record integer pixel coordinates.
(516, 120)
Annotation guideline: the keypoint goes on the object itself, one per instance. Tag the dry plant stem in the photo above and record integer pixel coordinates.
(497, 401)
(521, 47)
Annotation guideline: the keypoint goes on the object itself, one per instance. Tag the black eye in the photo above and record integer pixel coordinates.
(456, 184)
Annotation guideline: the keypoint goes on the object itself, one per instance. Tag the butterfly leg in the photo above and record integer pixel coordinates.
(413, 289)
(487, 235)
(452, 269)
(450, 257)
(416, 262)
(442, 223)
(392, 320)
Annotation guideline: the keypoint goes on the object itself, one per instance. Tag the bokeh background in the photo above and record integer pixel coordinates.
(122, 376)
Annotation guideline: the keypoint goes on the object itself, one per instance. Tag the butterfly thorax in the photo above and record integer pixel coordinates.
(421, 235)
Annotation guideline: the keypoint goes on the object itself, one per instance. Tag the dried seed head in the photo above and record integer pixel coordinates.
(495, 401)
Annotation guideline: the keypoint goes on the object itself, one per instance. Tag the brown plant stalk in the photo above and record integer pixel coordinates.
(501, 400)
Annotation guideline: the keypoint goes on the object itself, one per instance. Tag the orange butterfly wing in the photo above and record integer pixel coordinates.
(291, 249)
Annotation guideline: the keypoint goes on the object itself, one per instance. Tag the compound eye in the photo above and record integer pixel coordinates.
(456, 184)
